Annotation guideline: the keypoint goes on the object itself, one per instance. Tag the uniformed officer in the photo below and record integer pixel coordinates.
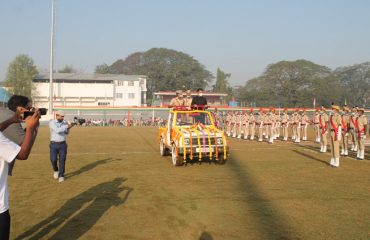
(352, 129)
(304, 124)
(228, 123)
(345, 131)
(285, 124)
(316, 124)
(260, 124)
(271, 125)
(297, 126)
(188, 99)
(245, 122)
(234, 120)
(323, 125)
(277, 124)
(335, 123)
(252, 124)
(178, 100)
(361, 130)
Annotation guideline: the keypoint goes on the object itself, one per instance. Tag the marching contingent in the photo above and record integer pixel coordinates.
(339, 127)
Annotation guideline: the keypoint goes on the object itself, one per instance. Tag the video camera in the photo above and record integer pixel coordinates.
(42, 112)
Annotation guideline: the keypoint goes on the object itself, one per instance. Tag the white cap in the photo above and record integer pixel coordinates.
(60, 113)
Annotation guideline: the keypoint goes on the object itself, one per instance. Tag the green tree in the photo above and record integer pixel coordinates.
(222, 84)
(67, 69)
(166, 70)
(102, 69)
(19, 76)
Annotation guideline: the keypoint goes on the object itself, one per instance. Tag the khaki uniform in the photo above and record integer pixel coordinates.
(187, 101)
(245, 124)
(261, 120)
(361, 123)
(252, 125)
(277, 125)
(177, 102)
(285, 125)
(352, 132)
(296, 127)
(304, 125)
(316, 126)
(239, 125)
(228, 124)
(234, 120)
(335, 123)
(345, 134)
(271, 127)
(323, 125)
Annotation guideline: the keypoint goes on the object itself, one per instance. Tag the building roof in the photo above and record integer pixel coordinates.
(173, 93)
(87, 77)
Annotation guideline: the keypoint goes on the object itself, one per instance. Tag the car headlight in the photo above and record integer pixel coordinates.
(187, 141)
(219, 141)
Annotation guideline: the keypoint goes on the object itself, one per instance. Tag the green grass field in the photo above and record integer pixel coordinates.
(119, 187)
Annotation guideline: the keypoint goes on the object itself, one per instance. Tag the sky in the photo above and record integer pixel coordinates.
(240, 37)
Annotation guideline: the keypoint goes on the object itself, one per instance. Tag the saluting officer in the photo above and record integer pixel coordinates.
(361, 130)
(345, 130)
(178, 100)
(335, 123)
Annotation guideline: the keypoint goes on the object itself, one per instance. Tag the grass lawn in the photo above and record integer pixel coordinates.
(119, 187)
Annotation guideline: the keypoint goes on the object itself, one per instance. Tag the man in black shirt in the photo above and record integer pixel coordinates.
(199, 102)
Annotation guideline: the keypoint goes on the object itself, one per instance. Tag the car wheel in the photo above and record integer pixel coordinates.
(162, 148)
(175, 159)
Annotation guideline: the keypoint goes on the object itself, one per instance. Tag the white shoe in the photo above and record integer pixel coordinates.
(358, 154)
(332, 161)
(362, 155)
(252, 138)
(346, 153)
(355, 149)
(342, 152)
(336, 163)
(239, 137)
(319, 140)
(61, 179)
(56, 174)
(324, 149)
(352, 148)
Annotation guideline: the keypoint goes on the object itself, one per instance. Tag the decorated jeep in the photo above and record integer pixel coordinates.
(191, 135)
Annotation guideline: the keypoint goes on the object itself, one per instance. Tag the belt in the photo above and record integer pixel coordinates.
(58, 142)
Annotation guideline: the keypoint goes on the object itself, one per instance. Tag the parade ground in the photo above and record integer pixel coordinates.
(119, 187)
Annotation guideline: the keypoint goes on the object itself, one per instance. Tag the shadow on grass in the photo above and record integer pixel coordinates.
(312, 157)
(270, 223)
(206, 236)
(90, 166)
(80, 213)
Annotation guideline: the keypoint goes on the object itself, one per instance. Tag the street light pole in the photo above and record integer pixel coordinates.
(51, 57)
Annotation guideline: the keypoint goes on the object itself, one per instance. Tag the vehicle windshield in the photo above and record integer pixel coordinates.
(191, 118)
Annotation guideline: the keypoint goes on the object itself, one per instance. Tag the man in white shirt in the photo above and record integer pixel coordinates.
(8, 152)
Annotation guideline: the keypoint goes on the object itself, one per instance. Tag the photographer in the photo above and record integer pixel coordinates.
(58, 146)
(8, 152)
(15, 131)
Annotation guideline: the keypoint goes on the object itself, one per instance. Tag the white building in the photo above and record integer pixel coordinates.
(86, 90)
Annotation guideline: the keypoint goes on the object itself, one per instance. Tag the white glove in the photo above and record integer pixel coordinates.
(339, 137)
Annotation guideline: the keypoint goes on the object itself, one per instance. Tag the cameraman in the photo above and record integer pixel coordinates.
(58, 146)
(8, 152)
(15, 132)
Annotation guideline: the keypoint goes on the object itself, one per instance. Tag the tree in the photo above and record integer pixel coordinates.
(293, 84)
(67, 69)
(166, 70)
(19, 76)
(222, 83)
(102, 69)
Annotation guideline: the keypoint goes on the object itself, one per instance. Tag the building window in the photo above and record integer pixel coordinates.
(131, 95)
(130, 83)
(120, 83)
(119, 95)
(103, 103)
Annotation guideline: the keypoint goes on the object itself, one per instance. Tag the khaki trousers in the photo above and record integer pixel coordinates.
(344, 141)
(285, 131)
(304, 131)
(260, 133)
(246, 130)
(323, 138)
(354, 137)
(334, 146)
(317, 130)
(361, 144)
